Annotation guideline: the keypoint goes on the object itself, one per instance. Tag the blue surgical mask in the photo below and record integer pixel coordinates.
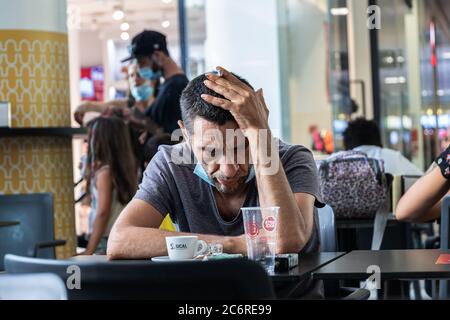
(142, 92)
(201, 173)
(148, 74)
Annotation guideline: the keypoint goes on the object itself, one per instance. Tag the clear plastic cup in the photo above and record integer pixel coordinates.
(260, 224)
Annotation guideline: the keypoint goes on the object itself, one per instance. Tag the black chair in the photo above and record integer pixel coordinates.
(444, 286)
(222, 279)
(328, 243)
(42, 286)
(34, 235)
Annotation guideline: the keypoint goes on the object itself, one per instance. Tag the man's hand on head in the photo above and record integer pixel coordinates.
(246, 105)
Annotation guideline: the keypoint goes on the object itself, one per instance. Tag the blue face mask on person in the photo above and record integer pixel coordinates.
(148, 74)
(142, 92)
(201, 173)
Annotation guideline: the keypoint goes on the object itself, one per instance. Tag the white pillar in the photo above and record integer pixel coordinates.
(242, 36)
(306, 59)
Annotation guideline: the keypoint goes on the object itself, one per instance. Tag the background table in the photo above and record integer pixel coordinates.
(394, 264)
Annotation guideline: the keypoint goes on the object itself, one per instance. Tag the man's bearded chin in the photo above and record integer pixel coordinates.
(227, 189)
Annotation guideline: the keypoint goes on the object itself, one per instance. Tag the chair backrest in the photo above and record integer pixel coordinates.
(35, 215)
(327, 229)
(445, 223)
(444, 286)
(42, 286)
(142, 279)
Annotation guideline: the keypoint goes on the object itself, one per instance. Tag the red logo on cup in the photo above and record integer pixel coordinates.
(253, 229)
(269, 224)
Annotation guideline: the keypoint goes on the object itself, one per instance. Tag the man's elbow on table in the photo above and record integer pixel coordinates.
(292, 244)
(115, 250)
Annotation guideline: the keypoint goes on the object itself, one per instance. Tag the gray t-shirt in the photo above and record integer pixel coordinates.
(172, 188)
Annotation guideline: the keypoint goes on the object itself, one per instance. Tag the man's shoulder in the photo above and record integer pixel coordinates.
(178, 154)
(287, 150)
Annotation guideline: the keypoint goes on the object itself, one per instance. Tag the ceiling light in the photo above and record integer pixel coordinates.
(339, 11)
(167, 1)
(165, 24)
(125, 26)
(118, 14)
(125, 36)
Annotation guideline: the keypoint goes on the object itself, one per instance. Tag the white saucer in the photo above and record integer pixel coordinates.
(167, 259)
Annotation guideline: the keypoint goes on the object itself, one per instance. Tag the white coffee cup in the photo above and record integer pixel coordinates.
(185, 247)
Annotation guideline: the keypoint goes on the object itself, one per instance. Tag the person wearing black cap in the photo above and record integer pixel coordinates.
(149, 49)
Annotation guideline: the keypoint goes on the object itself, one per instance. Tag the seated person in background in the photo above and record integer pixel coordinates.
(205, 197)
(364, 136)
(422, 201)
(111, 178)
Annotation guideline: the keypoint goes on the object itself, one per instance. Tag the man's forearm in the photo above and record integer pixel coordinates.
(274, 190)
(132, 242)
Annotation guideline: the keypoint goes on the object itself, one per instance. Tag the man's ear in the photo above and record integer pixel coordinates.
(183, 130)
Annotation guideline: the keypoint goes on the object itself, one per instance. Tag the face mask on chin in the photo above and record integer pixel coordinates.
(142, 92)
(201, 173)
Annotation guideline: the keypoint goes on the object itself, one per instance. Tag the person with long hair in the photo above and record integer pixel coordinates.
(111, 177)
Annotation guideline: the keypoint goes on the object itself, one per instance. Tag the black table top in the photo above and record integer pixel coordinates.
(393, 264)
(8, 223)
(307, 264)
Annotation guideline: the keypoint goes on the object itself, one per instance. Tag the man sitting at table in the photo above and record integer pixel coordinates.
(203, 184)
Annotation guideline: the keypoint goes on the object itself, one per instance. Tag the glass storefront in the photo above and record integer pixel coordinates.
(395, 119)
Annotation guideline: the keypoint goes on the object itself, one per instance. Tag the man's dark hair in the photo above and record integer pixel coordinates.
(362, 132)
(192, 105)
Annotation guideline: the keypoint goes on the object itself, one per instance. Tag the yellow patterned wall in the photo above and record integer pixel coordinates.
(42, 164)
(34, 77)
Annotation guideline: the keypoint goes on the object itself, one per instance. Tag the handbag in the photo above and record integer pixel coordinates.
(354, 185)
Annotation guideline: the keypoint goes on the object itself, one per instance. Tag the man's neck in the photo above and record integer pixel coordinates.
(171, 69)
(230, 204)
